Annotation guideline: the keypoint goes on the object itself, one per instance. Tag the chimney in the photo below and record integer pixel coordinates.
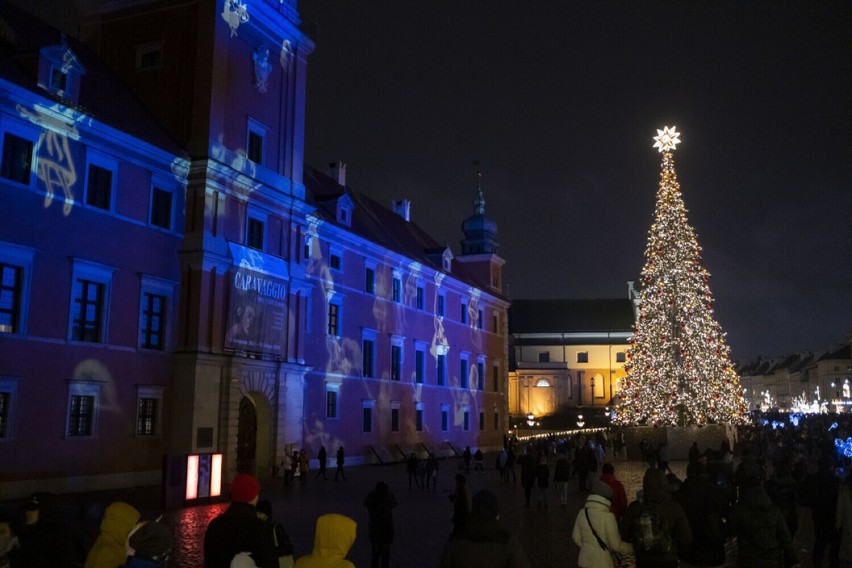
(337, 170)
(402, 207)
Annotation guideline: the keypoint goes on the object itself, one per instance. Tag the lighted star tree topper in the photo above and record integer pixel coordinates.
(678, 366)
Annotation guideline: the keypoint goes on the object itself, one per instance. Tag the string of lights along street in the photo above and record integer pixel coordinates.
(679, 370)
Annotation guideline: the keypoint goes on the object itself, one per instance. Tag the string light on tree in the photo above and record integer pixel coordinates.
(678, 366)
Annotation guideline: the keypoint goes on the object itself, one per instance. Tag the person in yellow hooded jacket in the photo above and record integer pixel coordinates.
(335, 535)
(110, 548)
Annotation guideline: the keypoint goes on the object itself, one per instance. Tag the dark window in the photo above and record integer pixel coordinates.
(421, 298)
(369, 347)
(394, 420)
(397, 290)
(544, 357)
(466, 420)
(99, 189)
(480, 375)
(442, 370)
(418, 419)
(333, 319)
(334, 261)
(445, 419)
(370, 281)
(161, 209)
(254, 238)
(10, 298)
(5, 403)
(481, 421)
(81, 416)
(17, 158)
(344, 214)
(396, 362)
(307, 250)
(151, 59)
(146, 424)
(463, 313)
(496, 421)
(58, 79)
(495, 328)
(583, 357)
(88, 308)
(463, 374)
(620, 357)
(419, 366)
(255, 147)
(331, 404)
(495, 375)
(440, 305)
(368, 419)
(153, 321)
(480, 320)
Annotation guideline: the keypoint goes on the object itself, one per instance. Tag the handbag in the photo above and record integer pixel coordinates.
(616, 557)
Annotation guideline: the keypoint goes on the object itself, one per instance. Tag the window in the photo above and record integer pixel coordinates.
(544, 357)
(394, 417)
(82, 408)
(149, 410)
(480, 374)
(334, 319)
(367, 416)
(334, 260)
(419, 364)
(421, 297)
(331, 403)
(583, 357)
(445, 418)
(620, 357)
(543, 383)
(463, 312)
(90, 293)
(370, 280)
(368, 352)
(149, 56)
(397, 289)
(495, 375)
(161, 208)
(8, 389)
(255, 141)
(496, 420)
(255, 229)
(99, 187)
(17, 158)
(418, 416)
(442, 370)
(396, 359)
(15, 274)
(157, 295)
(480, 319)
(441, 304)
(481, 421)
(466, 419)
(58, 80)
(495, 323)
(463, 371)
(599, 386)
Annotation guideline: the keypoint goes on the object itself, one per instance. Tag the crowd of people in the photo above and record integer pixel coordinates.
(781, 471)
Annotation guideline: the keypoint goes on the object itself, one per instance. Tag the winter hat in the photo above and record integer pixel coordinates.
(244, 488)
(485, 503)
(602, 489)
(151, 541)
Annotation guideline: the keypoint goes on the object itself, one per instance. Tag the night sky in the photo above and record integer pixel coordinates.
(559, 101)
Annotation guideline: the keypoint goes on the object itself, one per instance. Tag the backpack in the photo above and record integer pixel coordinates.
(283, 545)
(652, 534)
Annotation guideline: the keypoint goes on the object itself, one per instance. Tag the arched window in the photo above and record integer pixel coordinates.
(542, 383)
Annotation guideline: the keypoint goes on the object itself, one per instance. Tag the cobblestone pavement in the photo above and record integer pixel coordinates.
(422, 518)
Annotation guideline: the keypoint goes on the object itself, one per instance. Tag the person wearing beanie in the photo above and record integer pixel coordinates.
(110, 549)
(149, 546)
(239, 529)
(596, 531)
(483, 541)
(619, 494)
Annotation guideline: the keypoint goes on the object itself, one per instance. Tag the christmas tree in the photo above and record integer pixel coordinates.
(678, 365)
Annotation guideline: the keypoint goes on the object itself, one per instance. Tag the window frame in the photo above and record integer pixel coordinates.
(150, 392)
(420, 297)
(151, 285)
(480, 373)
(418, 416)
(397, 357)
(104, 162)
(9, 386)
(445, 418)
(29, 170)
(466, 419)
(28, 132)
(332, 389)
(394, 416)
(464, 370)
(22, 257)
(336, 302)
(335, 252)
(161, 185)
(370, 278)
(367, 407)
(258, 216)
(441, 370)
(582, 356)
(368, 337)
(85, 270)
(396, 287)
(83, 389)
(254, 126)
(463, 312)
(440, 304)
(420, 350)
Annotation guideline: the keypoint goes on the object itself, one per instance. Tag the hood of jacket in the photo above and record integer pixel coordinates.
(335, 535)
(119, 519)
(598, 502)
(655, 486)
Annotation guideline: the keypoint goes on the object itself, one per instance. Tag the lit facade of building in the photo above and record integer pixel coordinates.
(566, 353)
(179, 284)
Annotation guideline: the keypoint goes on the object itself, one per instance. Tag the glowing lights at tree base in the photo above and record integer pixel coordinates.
(678, 363)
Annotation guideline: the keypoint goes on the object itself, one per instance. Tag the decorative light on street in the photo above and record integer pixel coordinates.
(531, 419)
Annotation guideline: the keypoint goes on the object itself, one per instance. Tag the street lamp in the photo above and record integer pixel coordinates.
(580, 421)
(531, 419)
(592, 388)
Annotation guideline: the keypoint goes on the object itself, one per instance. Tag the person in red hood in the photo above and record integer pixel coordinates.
(619, 495)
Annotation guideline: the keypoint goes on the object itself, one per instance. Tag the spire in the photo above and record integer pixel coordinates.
(479, 230)
(479, 200)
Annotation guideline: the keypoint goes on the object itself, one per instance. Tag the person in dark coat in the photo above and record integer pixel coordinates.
(239, 529)
(466, 455)
(763, 540)
(44, 540)
(380, 503)
(322, 456)
(483, 541)
(820, 492)
(656, 497)
(461, 503)
(528, 464)
(542, 481)
(411, 467)
(783, 491)
(704, 506)
(341, 459)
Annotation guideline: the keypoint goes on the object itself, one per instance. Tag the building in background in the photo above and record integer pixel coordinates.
(566, 354)
(174, 282)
